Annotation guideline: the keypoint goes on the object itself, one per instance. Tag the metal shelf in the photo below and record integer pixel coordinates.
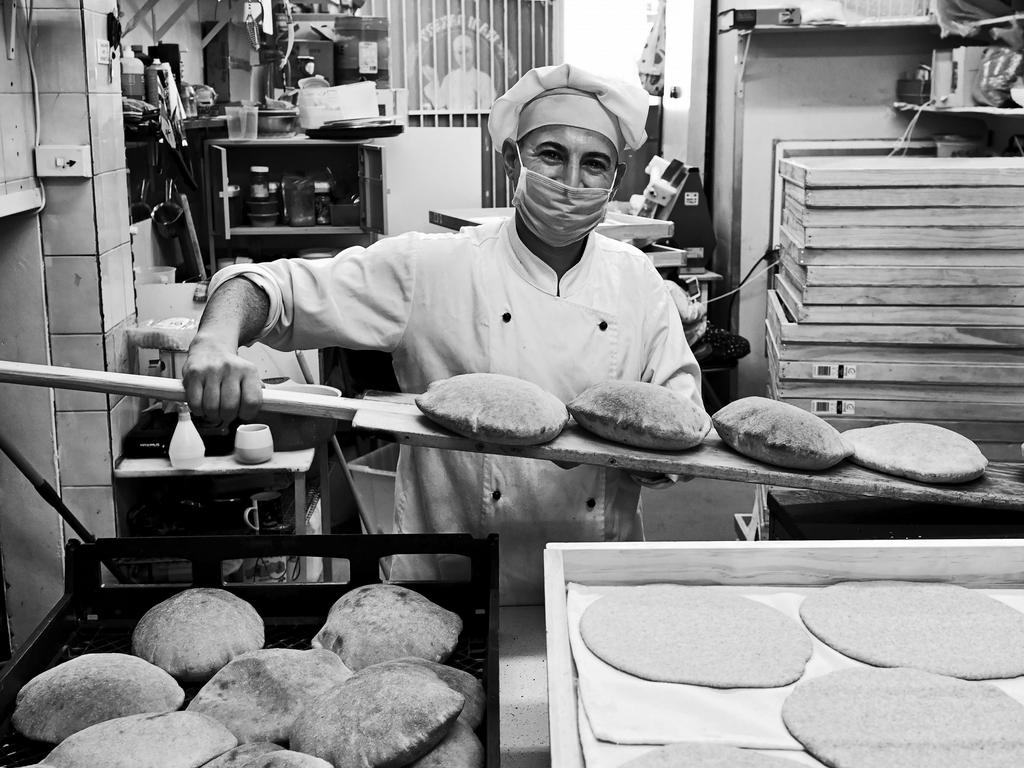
(244, 231)
(975, 110)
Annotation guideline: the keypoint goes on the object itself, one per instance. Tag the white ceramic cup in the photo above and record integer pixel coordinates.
(253, 444)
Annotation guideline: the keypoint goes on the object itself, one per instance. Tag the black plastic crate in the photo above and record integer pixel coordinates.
(92, 617)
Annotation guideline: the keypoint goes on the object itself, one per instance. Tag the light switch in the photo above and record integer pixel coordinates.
(64, 160)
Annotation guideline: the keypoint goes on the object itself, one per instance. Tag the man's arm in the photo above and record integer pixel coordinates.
(218, 382)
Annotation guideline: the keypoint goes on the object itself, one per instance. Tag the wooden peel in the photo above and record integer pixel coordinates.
(1002, 487)
(277, 401)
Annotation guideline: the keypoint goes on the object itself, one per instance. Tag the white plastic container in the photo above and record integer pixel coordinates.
(186, 450)
(133, 76)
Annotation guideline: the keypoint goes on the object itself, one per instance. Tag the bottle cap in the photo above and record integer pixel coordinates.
(259, 169)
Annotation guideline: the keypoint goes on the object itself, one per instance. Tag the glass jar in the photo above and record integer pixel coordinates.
(259, 183)
(322, 200)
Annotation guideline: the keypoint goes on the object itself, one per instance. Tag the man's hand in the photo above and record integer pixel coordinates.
(219, 383)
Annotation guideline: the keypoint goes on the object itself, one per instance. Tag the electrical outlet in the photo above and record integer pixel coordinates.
(64, 160)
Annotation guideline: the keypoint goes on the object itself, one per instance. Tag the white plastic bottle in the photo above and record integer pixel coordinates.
(186, 450)
(133, 76)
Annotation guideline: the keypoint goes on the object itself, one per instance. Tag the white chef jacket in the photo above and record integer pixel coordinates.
(479, 301)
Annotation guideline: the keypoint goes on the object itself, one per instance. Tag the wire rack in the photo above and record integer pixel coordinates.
(470, 655)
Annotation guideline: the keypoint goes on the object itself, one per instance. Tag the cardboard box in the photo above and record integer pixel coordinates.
(953, 74)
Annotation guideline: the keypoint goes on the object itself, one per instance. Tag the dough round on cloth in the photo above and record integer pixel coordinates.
(462, 682)
(940, 628)
(640, 414)
(685, 755)
(459, 749)
(905, 718)
(170, 740)
(779, 433)
(923, 452)
(675, 634)
(380, 622)
(377, 721)
(258, 695)
(89, 689)
(494, 408)
(240, 756)
(196, 632)
(286, 758)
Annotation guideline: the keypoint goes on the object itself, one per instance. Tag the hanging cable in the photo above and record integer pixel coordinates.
(903, 142)
(740, 287)
(29, 44)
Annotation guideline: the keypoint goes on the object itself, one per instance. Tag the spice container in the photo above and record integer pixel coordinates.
(299, 200)
(259, 183)
(322, 201)
(275, 196)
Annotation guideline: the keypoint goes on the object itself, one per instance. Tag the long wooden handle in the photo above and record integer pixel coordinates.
(279, 401)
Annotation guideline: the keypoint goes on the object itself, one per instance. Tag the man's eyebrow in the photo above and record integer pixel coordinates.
(552, 144)
(599, 154)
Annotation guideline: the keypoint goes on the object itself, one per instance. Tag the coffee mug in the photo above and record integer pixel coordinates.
(253, 444)
(265, 511)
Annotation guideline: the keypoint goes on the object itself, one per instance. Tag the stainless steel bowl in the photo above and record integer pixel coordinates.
(277, 123)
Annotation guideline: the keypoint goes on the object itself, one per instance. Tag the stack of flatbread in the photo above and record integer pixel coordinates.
(266, 708)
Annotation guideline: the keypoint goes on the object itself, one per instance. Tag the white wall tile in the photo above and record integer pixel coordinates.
(111, 200)
(100, 78)
(78, 351)
(17, 135)
(83, 448)
(73, 294)
(69, 219)
(93, 505)
(106, 126)
(64, 118)
(115, 285)
(123, 417)
(59, 53)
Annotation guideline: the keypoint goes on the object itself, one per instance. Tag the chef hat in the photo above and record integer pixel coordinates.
(568, 95)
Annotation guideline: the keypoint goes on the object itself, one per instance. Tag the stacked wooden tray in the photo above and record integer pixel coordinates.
(900, 294)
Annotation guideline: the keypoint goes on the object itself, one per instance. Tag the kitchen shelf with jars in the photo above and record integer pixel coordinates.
(291, 196)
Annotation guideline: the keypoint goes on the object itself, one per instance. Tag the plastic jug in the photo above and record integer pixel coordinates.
(186, 449)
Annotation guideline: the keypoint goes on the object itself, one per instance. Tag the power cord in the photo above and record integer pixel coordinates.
(771, 254)
(29, 44)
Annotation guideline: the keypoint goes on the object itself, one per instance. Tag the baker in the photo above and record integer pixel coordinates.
(541, 297)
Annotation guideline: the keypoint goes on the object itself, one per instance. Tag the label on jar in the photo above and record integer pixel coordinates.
(259, 190)
(368, 58)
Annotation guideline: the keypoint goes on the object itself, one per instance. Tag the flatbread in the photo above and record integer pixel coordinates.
(922, 452)
(286, 758)
(904, 718)
(641, 415)
(242, 755)
(685, 755)
(196, 632)
(89, 689)
(473, 711)
(780, 434)
(494, 408)
(380, 622)
(377, 721)
(459, 749)
(258, 695)
(676, 634)
(171, 740)
(940, 628)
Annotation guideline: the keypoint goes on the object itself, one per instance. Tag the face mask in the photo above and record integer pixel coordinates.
(557, 213)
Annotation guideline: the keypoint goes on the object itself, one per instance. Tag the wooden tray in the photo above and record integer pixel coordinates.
(1002, 487)
(988, 563)
(961, 260)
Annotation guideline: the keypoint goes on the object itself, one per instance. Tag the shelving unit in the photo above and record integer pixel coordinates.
(357, 167)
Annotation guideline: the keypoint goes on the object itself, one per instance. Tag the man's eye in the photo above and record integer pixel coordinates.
(596, 166)
(550, 156)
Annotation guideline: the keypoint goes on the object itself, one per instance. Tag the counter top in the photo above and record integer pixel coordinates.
(523, 688)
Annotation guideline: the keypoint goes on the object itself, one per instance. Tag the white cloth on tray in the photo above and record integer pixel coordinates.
(622, 709)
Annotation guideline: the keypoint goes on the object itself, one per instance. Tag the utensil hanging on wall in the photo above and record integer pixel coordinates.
(167, 213)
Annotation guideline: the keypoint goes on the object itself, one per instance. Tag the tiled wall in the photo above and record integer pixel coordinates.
(78, 256)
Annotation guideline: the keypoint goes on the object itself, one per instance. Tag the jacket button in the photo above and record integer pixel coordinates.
(507, 317)
(602, 326)
(591, 503)
(496, 494)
